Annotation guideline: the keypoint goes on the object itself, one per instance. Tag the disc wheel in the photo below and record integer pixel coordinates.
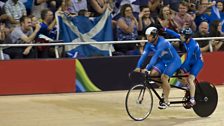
(206, 97)
(139, 102)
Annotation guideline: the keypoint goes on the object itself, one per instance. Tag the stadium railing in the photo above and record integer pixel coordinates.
(59, 43)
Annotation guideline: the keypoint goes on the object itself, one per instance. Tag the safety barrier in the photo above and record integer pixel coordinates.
(37, 76)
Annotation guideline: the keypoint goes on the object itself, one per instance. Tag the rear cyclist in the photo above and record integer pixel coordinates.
(194, 60)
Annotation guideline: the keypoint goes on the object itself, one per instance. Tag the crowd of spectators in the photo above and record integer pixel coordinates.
(23, 21)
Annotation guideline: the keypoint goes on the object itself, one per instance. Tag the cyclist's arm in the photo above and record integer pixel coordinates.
(156, 56)
(144, 56)
(172, 33)
(190, 52)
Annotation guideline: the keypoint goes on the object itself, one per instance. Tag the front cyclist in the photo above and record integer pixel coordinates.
(164, 62)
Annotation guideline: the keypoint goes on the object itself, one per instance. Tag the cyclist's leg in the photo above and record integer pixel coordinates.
(192, 88)
(185, 69)
(170, 69)
(193, 74)
(190, 82)
(157, 70)
(165, 86)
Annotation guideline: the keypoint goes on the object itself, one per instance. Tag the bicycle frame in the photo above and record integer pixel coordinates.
(148, 83)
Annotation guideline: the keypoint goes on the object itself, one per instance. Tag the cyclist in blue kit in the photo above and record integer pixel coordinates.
(194, 60)
(164, 62)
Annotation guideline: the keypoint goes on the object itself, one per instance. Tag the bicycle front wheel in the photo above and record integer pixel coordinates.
(139, 102)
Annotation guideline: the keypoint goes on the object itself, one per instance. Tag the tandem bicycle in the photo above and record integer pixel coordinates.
(139, 98)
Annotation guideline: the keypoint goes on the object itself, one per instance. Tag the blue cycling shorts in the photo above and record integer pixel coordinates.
(167, 68)
(193, 68)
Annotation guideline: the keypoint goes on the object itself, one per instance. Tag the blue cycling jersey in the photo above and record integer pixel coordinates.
(163, 50)
(194, 55)
(192, 48)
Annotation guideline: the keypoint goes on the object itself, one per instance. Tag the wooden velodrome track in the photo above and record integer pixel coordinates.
(96, 109)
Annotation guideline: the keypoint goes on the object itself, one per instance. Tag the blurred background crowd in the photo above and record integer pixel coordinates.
(25, 21)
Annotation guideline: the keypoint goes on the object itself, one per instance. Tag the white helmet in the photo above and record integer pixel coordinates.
(151, 31)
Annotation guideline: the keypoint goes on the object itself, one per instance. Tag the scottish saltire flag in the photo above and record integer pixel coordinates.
(83, 29)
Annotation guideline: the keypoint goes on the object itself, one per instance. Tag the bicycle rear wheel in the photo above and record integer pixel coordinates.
(139, 102)
(206, 98)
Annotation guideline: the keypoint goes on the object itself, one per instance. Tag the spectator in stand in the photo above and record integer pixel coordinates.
(192, 9)
(23, 34)
(5, 23)
(217, 12)
(47, 27)
(66, 6)
(84, 13)
(183, 19)
(53, 5)
(192, 5)
(78, 5)
(174, 4)
(116, 6)
(201, 33)
(38, 5)
(145, 20)
(15, 9)
(48, 23)
(126, 29)
(4, 17)
(28, 5)
(215, 31)
(166, 18)
(140, 46)
(202, 13)
(220, 16)
(154, 6)
(34, 21)
(4, 32)
(97, 7)
(219, 5)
